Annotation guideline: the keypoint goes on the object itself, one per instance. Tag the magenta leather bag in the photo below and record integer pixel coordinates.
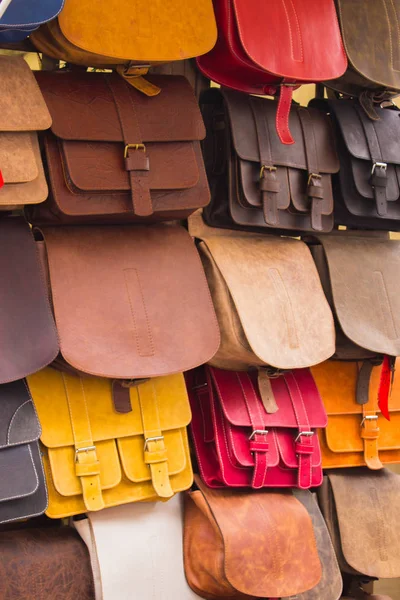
(239, 444)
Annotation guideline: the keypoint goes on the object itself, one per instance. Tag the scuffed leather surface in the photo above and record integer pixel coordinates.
(245, 544)
(44, 563)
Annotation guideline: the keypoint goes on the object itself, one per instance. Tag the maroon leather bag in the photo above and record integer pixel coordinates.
(115, 155)
(243, 439)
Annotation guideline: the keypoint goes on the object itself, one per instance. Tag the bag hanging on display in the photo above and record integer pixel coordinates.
(18, 18)
(264, 47)
(243, 439)
(115, 155)
(256, 182)
(102, 450)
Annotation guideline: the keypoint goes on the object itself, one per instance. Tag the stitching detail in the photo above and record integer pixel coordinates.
(12, 421)
(290, 31)
(149, 333)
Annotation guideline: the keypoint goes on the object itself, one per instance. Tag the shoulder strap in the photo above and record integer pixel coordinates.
(315, 190)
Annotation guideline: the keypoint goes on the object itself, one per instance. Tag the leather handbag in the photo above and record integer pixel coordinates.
(116, 155)
(100, 450)
(188, 69)
(268, 299)
(357, 433)
(264, 47)
(143, 32)
(245, 439)
(23, 490)
(361, 512)
(45, 563)
(28, 333)
(18, 18)
(129, 302)
(366, 189)
(128, 553)
(23, 112)
(255, 181)
(248, 545)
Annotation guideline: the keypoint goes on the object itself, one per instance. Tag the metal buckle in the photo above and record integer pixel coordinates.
(133, 147)
(158, 438)
(258, 432)
(380, 165)
(368, 418)
(313, 176)
(266, 168)
(79, 450)
(306, 433)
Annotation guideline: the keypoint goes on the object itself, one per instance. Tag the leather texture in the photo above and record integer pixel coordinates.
(96, 457)
(130, 302)
(256, 181)
(137, 547)
(45, 563)
(269, 302)
(364, 295)
(188, 69)
(21, 17)
(364, 530)
(27, 330)
(357, 434)
(244, 545)
(23, 490)
(116, 155)
(23, 112)
(160, 32)
(239, 443)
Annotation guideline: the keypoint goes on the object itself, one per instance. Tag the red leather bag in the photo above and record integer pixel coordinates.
(239, 444)
(265, 45)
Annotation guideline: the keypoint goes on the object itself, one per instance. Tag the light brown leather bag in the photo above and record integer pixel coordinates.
(361, 511)
(23, 112)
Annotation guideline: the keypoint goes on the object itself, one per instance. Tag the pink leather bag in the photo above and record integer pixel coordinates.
(239, 444)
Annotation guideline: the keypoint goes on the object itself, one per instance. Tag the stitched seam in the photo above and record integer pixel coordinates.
(12, 421)
(287, 307)
(398, 30)
(380, 525)
(290, 30)
(276, 555)
(149, 333)
(37, 482)
(6, 26)
(88, 441)
(383, 299)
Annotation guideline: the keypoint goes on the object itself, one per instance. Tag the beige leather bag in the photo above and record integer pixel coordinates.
(23, 112)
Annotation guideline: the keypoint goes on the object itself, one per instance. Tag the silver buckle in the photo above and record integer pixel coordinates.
(86, 449)
(379, 165)
(158, 438)
(306, 433)
(368, 418)
(258, 432)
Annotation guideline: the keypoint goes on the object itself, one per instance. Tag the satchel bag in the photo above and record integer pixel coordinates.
(116, 155)
(255, 181)
(357, 433)
(143, 32)
(129, 302)
(136, 546)
(45, 563)
(264, 46)
(98, 455)
(243, 439)
(22, 113)
(361, 512)
(235, 543)
(23, 490)
(28, 334)
(18, 18)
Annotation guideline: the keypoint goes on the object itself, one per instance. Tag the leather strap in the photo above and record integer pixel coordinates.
(315, 191)
(269, 184)
(370, 436)
(136, 159)
(304, 443)
(283, 112)
(155, 451)
(121, 396)
(266, 392)
(87, 465)
(363, 380)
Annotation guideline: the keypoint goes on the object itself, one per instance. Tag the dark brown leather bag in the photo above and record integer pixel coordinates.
(45, 563)
(23, 491)
(255, 180)
(117, 155)
(27, 331)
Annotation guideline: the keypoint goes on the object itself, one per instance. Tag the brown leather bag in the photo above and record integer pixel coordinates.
(188, 69)
(255, 180)
(115, 155)
(45, 563)
(361, 511)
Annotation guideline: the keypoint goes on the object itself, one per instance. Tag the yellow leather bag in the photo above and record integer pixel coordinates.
(98, 452)
(357, 434)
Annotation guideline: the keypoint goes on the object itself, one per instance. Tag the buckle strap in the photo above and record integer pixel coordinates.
(370, 437)
(87, 465)
(315, 190)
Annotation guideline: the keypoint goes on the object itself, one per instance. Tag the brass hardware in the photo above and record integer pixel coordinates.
(266, 168)
(313, 176)
(133, 147)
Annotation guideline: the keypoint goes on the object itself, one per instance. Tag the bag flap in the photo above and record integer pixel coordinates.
(278, 296)
(143, 31)
(23, 13)
(289, 456)
(48, 391)
(281, 542)
(82, 108)
(369, 524)
(18, 418)
(130, 302)
(366, 293)
(286, 37)
(18, 475)
(17, 157)
(245, 137)
(22, 107)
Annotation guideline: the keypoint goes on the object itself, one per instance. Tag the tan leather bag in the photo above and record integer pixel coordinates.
(361, 511)
(23, 112)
